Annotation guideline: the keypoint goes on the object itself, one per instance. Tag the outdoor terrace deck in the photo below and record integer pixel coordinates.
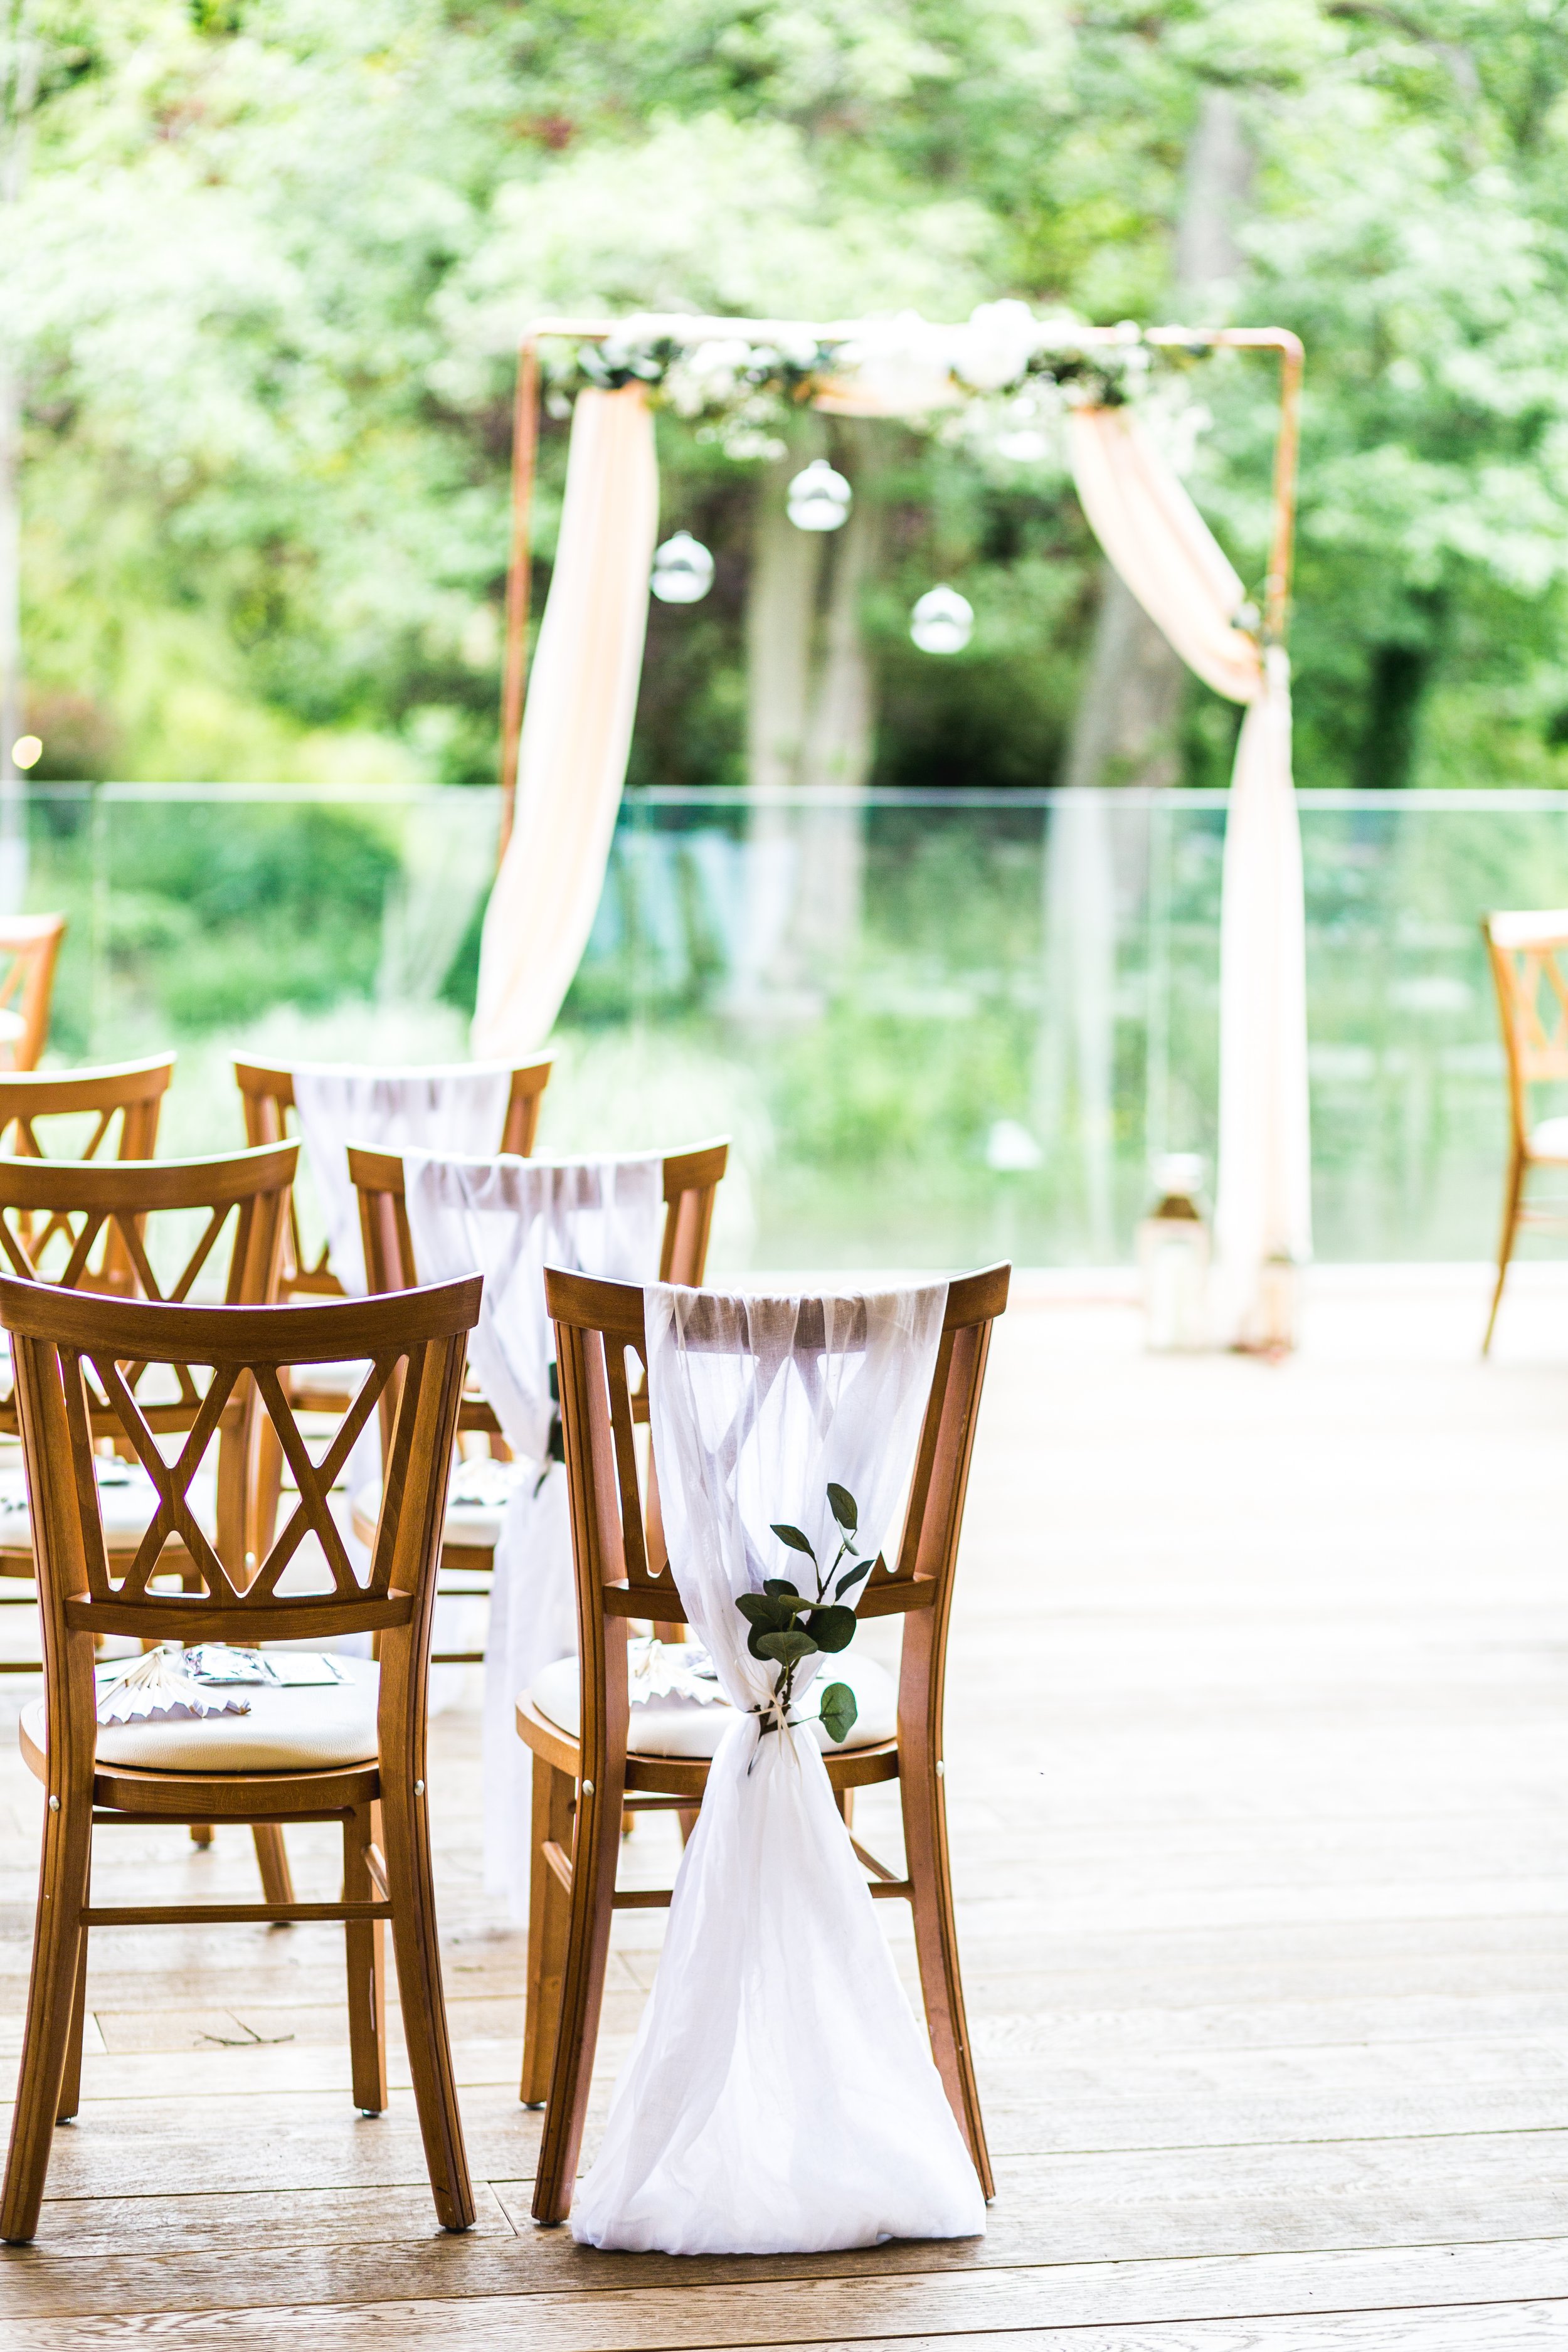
(1259, 1745)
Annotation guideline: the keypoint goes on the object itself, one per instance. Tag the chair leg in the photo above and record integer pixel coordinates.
(592, 1907)
(366, 1943)
(70, 2084)
(1505, 1247)
(936, 1944)
(549, 1918)
(423, 2007)
(51, 1998)
(272, 1861)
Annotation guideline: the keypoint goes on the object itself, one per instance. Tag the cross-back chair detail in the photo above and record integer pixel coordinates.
(131, 1092)
(28, 947)
(267, 1094)
(1529, 957)
(584, 1786)
(62, 1342)
(690, 1181)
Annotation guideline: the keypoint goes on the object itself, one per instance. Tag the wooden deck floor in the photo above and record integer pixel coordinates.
(1258, 1753)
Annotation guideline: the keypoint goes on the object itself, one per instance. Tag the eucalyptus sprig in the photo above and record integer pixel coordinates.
(788, 1625)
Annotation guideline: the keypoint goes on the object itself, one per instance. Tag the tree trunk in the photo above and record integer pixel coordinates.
(840, 743)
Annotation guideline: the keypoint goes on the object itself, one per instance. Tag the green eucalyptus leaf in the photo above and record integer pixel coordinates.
(844, 1508)
(778, 1587)
(852, 1575)
(839, 1711)
(785, 1649)
(832, 1629)
(792, 1537)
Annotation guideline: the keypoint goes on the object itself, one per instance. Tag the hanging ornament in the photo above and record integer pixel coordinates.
(682, 570)
(819, 499)
(942, 620)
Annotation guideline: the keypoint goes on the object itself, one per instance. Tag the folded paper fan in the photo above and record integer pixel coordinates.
(157, 1688)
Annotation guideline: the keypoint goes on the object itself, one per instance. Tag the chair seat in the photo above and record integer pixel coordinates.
(127, 1498)
(1550, 1140)
(310, 1730)
(672, 1725)
(470, 1526)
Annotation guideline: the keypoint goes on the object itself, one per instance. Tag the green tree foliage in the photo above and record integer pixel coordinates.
(273, 256)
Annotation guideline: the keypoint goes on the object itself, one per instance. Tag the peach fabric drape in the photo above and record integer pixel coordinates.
(1163, 550)
(576, 727)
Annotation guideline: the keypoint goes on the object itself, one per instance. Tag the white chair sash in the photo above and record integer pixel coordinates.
(508, 1219)
(780, 2097)
(462, 1110)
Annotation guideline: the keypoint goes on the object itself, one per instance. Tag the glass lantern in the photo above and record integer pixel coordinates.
(1173, 1259)
(819, 499)
(682, 570)
(942, 620)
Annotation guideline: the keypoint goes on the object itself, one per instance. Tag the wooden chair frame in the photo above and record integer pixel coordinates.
(33, 943)
(57, 1338)
(1527, 953)
(691, 1179)
(132, 1090)
(583, 1786)
(105, 1205)
(267, 1094)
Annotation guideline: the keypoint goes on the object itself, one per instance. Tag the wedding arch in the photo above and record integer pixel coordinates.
(565, 741)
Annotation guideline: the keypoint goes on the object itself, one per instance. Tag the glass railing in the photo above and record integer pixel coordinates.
(937, 1026)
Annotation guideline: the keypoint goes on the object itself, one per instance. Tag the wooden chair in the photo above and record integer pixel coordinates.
(1528, 954)
(343, 1762)
(269, 1098)
(31, 942)
(131, 1092)
(583, 1784)
(73, 1225)
(690, 1181)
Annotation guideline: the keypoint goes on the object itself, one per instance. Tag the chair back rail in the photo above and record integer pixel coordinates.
(268, 1094)
(32, 942)
(131, 1091)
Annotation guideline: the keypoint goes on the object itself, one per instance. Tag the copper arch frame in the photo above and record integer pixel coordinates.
(525, 445)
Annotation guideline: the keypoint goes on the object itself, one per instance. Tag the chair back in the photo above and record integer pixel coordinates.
(86, 1226)
(268, 1094)
(690, 1181)
(28, 947)
(1529, 953)
(67, 1348)
(130, 1092)
(621, 1563)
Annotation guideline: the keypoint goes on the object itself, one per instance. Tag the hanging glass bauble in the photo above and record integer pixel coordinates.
(942, 620)
(819, 499)
(682, 570)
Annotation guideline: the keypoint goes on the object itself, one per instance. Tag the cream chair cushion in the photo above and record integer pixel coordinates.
(315, 1729)
(126, 1496)
(1549, 1141)
(476, 1503)
(675, 1725)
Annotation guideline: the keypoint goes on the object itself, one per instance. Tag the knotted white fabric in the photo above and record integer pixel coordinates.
(780, 2097)
(508, 1219)
(1170, 559)
(576, 726)
(460, 1109)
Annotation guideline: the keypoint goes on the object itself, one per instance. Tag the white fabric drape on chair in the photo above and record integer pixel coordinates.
(1170, 560)
(577, 725)
(780, 2097)
(460, 1109)
(508, 1219)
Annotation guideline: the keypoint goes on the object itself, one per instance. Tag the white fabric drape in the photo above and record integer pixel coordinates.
(462, 1109)
(577, 725)
(508, 1219)
(779, 2096)
(1169, 558)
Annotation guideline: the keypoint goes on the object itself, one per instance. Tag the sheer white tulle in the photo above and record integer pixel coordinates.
(779, 2096)
(462, 1110)
(508, 1219)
